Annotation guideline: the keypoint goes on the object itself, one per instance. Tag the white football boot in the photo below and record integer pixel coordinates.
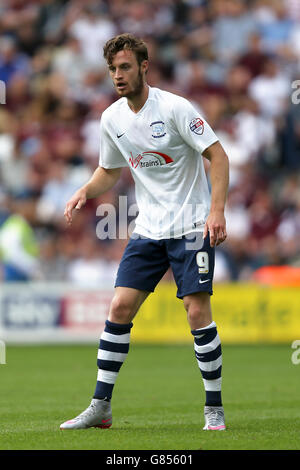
(214, 418)
(97, 415)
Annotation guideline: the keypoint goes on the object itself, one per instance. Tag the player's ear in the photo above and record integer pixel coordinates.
(144, 66)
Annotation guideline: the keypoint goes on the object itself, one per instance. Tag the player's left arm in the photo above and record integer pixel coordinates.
(219, 178)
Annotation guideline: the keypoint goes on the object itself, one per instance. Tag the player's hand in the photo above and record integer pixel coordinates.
(216, 226)
(76, 202)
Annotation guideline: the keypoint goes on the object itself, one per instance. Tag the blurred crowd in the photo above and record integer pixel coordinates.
(237, 61)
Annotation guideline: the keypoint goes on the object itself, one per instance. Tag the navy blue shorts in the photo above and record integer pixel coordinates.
(145, 261)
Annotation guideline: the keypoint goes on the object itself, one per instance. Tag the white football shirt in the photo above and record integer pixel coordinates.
(162, 145)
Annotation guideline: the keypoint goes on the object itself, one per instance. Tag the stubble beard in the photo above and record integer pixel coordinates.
(137, 87)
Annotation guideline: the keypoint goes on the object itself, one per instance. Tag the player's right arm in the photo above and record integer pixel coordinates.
(102, 180)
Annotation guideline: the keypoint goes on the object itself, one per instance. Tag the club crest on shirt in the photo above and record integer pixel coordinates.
(197, 126)
(149, 159)
(158, 129)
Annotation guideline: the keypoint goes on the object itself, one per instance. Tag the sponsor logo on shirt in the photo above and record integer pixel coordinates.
(197, 126)
(149, 159)
(158, 129)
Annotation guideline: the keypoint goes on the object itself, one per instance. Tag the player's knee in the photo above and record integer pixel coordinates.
(198, 311)
(196, 315)
(120, 310)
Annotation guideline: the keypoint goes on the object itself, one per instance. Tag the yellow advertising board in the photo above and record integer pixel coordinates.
(244, 313)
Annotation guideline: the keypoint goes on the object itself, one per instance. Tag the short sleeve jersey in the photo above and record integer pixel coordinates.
(162, 145)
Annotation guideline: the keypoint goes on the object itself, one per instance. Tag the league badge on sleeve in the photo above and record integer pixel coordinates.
(197, 126)
(158, 129)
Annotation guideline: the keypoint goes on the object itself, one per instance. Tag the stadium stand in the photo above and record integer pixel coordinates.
(236, 60)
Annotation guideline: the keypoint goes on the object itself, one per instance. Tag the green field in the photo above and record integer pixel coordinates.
(157, 403)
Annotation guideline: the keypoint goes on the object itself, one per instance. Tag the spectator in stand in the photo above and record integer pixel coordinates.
(69, 60)
(271, 89)
(62, 181)
(231, 30)
(91, 268)
(18, 244)
(275, 33)
(52, 265)
(290, 138)
(11, 61)
(90, 130)
(92, 29)
(254, 58)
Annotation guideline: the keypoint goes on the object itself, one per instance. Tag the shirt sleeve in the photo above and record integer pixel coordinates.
(110, 156)
(193, 128)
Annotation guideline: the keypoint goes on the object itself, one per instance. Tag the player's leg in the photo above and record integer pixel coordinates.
(207, 345)
(112, 352)
(115, 339)
(143, 264)
(193, 271)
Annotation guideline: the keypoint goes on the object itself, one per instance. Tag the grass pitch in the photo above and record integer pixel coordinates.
(157, 402)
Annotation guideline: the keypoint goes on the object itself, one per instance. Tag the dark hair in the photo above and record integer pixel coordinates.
(125, 41)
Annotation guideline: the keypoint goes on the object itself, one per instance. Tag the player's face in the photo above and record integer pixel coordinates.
(127, 75)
